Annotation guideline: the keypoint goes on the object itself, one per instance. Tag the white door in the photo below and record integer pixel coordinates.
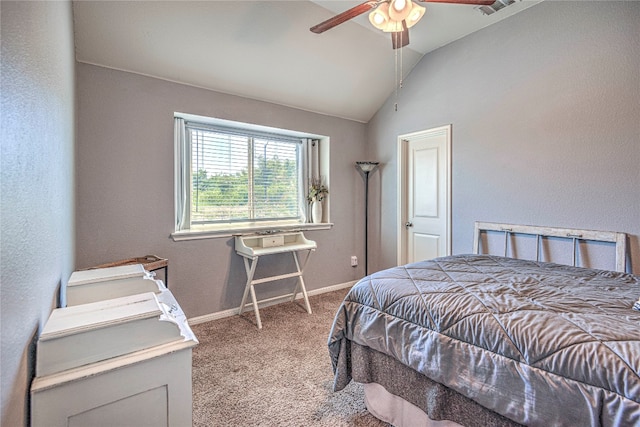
(425, 195)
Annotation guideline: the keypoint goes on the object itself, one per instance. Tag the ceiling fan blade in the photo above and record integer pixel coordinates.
(474, 2)
(400, 38)
(345, 16)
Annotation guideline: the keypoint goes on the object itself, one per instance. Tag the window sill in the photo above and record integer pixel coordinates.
(179, 236)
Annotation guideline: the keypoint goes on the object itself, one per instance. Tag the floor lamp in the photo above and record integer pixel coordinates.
(366, 168)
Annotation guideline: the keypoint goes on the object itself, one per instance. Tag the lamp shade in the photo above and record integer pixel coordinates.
(379, 18)
(417, 12)
(367, 166)
(400, 9)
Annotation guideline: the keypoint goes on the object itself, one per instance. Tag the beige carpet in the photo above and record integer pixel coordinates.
(278, 376)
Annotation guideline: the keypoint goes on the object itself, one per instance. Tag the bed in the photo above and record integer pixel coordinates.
(492, 340)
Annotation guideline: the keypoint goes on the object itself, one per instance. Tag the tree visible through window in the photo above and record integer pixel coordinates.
(239, 177)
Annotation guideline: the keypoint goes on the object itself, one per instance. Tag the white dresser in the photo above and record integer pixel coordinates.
(99, 284)
(119, 362)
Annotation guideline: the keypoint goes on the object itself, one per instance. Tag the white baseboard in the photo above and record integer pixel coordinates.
(265, 303)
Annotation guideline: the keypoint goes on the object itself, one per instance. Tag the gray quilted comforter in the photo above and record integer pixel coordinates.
(540, 343)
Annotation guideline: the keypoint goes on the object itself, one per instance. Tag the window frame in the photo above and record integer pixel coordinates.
(185, 230)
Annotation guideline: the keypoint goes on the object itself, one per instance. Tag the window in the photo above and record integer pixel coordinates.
(236, 177)
(240, 176)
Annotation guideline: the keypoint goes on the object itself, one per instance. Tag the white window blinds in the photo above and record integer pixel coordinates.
(243, 176)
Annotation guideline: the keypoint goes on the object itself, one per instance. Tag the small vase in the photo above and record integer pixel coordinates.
(316, 212)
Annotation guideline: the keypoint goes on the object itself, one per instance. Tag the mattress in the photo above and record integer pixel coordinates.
(537, 343)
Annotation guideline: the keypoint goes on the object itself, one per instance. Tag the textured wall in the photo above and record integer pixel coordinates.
(37, 183)
(125, 186)
(546, 123)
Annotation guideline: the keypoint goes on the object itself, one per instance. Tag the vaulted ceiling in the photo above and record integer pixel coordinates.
(264, 50)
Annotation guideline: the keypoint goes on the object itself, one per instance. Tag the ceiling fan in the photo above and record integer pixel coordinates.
(390, 16)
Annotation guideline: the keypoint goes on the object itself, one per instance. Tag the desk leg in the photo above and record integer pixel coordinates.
(250, 269)
(166, 276)
(300, 282)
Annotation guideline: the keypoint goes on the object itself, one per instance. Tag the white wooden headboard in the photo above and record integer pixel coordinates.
(620, 239)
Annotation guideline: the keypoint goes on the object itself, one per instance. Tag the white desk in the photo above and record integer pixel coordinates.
(252, 247)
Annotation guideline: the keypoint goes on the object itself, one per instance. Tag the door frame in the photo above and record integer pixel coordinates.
(402, 180)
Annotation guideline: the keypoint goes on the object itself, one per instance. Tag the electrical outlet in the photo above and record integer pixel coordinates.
(354, 261)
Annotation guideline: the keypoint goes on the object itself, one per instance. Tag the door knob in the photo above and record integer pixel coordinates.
(408, 224)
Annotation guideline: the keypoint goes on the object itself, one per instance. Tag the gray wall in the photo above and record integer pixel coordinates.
(545, 109)
(125, 187)
(37, 213)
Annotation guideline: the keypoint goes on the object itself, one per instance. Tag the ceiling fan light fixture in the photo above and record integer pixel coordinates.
(399, 10)
(384, 18)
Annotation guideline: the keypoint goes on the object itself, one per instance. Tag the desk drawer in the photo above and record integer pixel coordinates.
(271, 241)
